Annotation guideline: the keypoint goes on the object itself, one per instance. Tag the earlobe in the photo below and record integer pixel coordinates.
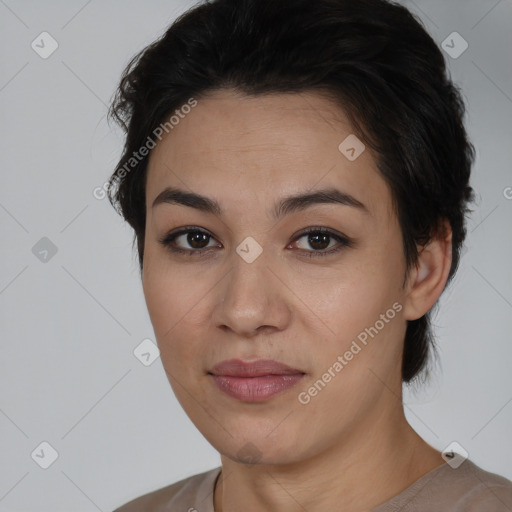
(428, 279)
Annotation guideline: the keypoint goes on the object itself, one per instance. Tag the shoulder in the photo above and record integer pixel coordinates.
(467, 488)
(482, 490)
(178, 494)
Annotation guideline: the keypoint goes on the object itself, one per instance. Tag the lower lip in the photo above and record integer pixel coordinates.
(256, 389)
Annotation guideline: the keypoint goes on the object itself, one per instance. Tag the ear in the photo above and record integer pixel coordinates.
(428, 280)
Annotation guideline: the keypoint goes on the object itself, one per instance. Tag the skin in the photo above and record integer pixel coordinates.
(351, 445)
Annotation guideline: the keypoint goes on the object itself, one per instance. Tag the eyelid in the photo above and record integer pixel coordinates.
(343, 240)
(166, 239)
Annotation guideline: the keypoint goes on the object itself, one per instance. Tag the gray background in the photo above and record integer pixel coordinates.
(70, 325)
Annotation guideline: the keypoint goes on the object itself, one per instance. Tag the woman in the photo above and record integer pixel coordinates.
(297, 177)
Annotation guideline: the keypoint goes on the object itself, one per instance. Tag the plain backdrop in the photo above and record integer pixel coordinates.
(71, 302)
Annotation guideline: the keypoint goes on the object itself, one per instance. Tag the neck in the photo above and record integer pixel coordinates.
(364, 469)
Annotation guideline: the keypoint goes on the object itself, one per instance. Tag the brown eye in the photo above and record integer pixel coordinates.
(187, 241)
(319, 239)
(193, 241)
(197, 239)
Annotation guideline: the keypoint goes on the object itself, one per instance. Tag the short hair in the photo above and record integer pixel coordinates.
(373, 57)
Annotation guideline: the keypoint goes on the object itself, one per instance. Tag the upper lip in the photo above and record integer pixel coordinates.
(239, 368)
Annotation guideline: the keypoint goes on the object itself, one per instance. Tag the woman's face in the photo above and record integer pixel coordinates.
(330, 308)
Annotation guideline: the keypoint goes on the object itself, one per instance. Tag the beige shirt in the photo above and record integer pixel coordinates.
(444, 489)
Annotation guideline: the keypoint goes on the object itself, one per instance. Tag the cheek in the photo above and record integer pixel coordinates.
(175, 299)
(358, 306)
(357, 295)
(158, 290)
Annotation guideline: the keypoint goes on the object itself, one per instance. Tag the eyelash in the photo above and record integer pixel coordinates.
(344, 241)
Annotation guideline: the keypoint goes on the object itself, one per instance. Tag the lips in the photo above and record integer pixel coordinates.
(239, 368)
(255, 381)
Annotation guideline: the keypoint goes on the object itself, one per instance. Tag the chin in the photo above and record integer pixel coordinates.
(259, 449)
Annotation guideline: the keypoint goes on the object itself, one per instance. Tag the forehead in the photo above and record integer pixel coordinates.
(236, 146)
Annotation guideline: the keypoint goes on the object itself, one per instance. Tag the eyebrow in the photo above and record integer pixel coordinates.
(285, 206)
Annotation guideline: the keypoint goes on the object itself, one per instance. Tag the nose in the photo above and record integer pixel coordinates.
(252, 300)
